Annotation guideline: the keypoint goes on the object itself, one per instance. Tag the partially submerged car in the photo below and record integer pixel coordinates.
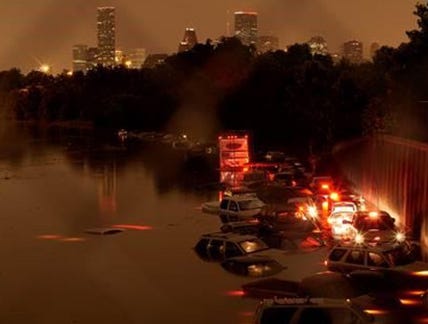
(221, 246)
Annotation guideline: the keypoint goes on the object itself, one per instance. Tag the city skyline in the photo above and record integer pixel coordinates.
(39, 34)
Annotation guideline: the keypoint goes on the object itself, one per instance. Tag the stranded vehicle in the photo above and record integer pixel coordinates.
(310, 310)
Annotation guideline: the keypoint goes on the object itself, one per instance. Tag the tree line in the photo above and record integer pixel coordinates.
(281, 97)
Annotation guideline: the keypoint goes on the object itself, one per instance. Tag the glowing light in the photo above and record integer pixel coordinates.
(326, 262)
(312, 210)
(423, 273)
(49, 237)
(410, 302)
(359, 238)
(373, 214)
(133, 227)
(69, 73)
(325, 186)
(334, 196)
(375, 311)
(128, 64)
(235, 293)
(72, 239)
(400, 237)
(45, 68)
(414, 292)
(325, 205)
(245, 169)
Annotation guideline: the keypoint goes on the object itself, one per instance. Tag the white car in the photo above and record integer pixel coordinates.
(341, 225)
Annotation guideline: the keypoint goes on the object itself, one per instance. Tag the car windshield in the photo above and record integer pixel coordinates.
(400, 255)
(254, 245)
(250, 204)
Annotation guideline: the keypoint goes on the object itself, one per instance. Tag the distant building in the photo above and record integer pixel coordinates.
(92, 57)
(267, 44)
(246, 27)
(189, 40)
(373, 49)
(119, 57)
(135, 58)
(153, 60)
(106, 35)
(318, 45)
(353, 51)
(80, 58)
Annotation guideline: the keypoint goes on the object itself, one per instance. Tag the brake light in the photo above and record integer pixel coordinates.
(334, 196)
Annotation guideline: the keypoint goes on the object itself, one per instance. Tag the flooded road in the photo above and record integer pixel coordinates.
(55, 187)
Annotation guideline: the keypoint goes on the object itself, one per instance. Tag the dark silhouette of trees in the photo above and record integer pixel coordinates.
(283, 98)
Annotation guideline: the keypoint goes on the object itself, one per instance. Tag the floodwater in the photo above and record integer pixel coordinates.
(54, 185)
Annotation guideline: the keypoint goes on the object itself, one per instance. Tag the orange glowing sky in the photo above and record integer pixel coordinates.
(45, 30)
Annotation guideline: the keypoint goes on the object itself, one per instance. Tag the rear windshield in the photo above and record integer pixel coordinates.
(254, 245)
(366, 223)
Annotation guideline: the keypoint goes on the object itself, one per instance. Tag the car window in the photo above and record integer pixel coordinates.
(314, 315)
(201, 247)
(232, 250)
(277, 315)
(216, 249)
(250, 204)
(254, 245)
(355, 257)
(376, 260)
(337, 254)
(233, 206)
(223, 204)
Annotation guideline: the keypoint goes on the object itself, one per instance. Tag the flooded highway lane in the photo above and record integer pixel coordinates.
(53, 271)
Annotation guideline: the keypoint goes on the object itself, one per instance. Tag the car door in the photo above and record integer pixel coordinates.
(354, 260)
(224, 211)
(233, 211)
(216, 250)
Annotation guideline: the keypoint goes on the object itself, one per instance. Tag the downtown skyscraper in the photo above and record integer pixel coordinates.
(106, 36)
(246, 27)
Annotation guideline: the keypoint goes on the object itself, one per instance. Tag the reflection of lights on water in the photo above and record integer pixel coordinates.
(423, 273)
(49, 237)
(414, 292)
(376, 311)
(133, 227)
(72, 239)
(410, 302)
(235, 293)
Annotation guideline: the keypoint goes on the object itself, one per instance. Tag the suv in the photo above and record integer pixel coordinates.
(240, 207)
(388, 257)
(310, 310)
(375, 225)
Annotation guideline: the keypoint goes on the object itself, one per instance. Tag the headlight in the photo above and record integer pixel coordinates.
(400, 237)
(359, 238)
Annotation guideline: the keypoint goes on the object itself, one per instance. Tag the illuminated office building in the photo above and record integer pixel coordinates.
(353, 51)
(106, 35)
(318, 45)
(246, 27)
(189, 40)
(80, 58)
(267, 44)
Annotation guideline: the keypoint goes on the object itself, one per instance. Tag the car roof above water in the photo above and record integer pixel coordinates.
(233, 237)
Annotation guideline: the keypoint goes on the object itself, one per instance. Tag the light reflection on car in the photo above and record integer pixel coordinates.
(252, 266)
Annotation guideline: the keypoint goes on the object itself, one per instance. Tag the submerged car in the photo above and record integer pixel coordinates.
(221, 246)
(310, 310)
(240, 207)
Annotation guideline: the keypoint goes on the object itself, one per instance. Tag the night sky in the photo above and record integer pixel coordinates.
(36, 31)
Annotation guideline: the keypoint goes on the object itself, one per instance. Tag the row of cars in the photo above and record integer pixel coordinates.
(369, 273)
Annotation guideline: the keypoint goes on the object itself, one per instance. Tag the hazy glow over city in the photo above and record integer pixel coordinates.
(45, 30)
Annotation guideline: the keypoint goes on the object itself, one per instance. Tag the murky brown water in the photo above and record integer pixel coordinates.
(53, 187)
